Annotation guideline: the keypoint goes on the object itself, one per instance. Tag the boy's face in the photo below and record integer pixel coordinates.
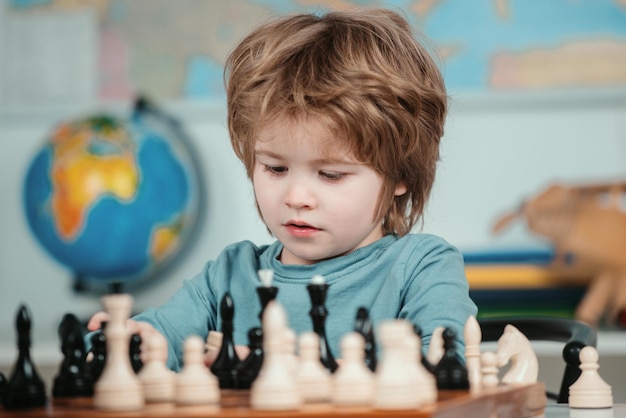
(314, 196)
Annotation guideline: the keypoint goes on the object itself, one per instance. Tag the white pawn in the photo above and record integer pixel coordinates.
(275, 387)
(119, 387)
(590, 390)
(195, 384)
(156, 379)
(314, 381)
(353, 382)
(394, 386)
(473, 337)
(288, 348)
(435, 349)
(489, 370)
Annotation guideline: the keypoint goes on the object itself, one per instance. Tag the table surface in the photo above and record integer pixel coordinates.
(564, 411)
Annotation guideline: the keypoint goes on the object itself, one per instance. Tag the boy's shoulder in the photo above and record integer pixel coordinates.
(245, 248)
(423, 240)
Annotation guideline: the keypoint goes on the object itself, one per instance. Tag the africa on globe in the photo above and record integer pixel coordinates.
(114, 199)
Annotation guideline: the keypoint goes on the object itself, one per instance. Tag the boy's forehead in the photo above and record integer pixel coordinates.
(327, 142)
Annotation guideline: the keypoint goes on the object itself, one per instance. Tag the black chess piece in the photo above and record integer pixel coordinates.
(450, 372)
(225, 365)
(25, 389)
(134, 351)
(427, 364)
(3, 385)
(266, 294)
(364, 326)
(318, 313)
(99, 351)
(73, 379)
(248, 369)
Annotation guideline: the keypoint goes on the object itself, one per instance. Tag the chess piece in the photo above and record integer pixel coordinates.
(363, 325)
(425, 385)
(353, 382)
(118, 387)
(3, 385)
(489, 370)
(590, 390)
(266, 291)
(473, 337)
(312, 378)
(73, 379)
(157, 381)
(248, 369)
(275, 387)
(98, 350)
(425, 363)
(25, 388)
(435, 348)
(451, 374)
(513, 346)
(317, 289)
(394, 385)
(134, 352)
(195, 384)
(225, 365)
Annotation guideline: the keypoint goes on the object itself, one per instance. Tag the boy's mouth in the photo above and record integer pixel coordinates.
(300, 228)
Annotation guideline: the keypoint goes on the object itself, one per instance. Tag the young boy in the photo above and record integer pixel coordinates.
(337, 120)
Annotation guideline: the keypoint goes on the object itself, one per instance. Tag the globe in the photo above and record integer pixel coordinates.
(114, 199)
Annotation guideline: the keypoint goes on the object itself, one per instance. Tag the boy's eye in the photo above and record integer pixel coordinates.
(275, 169)
(329, 175)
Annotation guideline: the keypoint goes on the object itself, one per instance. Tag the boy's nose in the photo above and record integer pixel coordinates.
(298, 195)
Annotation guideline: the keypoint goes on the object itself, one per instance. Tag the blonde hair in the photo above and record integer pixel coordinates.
(365, 76)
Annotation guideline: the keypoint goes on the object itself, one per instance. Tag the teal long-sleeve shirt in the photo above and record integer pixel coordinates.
(418, 277)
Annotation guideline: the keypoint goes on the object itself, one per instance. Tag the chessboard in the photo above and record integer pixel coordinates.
(503, 401)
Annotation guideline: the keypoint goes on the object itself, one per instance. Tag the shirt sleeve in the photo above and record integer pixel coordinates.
(190, 311)
(436, 293)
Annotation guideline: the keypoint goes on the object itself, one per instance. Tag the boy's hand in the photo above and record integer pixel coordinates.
(210, 356)
(144, 329)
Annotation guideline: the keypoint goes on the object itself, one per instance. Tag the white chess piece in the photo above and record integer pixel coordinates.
(313, 379)
(119, 387)
(266, 276)
(435, 349)
(275, 387)
(473, 337)
(513, 346)
(353, 382)
(195, 384)
(590, 390)
(489, 370)
(156, 379)
(394, 385)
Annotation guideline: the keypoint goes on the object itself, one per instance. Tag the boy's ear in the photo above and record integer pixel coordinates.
(400, 189)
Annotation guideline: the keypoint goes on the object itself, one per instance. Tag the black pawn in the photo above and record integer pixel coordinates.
(25, 388)
(72, 379)
(225, 365)
(266, 294)
(427, 364)
(134, 352)
(99, 352)
(450, 373)
(363, 325)
(248, 370)
(318, 313)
